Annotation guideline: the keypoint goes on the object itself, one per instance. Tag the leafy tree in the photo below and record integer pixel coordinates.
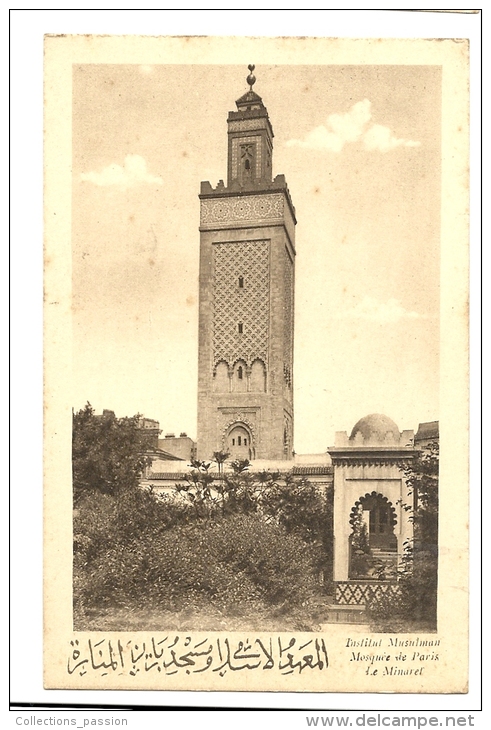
(240, 466)
(107, 453)
(305, 511)
(295, 504)
(421, 476)
(418, 572)
(240, 488)
(227, 493)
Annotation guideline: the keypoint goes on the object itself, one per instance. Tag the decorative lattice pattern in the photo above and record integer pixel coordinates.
(288, 320)
(246, 125)
(247, 306)
(255, 208)
(357, 594)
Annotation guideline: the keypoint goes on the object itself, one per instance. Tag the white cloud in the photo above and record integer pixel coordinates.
(374, 310)
(353, 126)
(381, 138)
(133, 172)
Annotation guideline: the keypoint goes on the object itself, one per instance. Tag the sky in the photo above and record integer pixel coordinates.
(360, 149)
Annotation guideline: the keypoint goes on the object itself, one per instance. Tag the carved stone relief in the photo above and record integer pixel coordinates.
(257, 208)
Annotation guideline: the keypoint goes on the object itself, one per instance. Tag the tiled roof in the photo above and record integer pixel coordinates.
(312, 470)
(165, 475)
(249, 97)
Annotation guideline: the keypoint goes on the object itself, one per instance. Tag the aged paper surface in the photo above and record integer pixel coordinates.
(341, 656)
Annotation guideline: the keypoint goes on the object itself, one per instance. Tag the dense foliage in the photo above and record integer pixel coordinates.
(418, 572)
(422, 479)
(298, 506)
(306, 512)
(226, 537)
(237, 559)
(107, 454)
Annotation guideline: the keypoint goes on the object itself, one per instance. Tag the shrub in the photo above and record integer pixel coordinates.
(110, 535)
(415, 603)
(102, 521)
(234, 541)
(235, 560)
(306, 512)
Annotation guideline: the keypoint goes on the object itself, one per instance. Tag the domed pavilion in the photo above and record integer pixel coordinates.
(370, 522)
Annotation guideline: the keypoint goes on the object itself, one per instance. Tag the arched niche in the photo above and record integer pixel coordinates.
(221, 380)
(258, 377)
(239, 378)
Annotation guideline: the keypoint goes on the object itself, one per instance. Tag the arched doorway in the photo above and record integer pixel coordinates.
(373, 544)
(239, 442)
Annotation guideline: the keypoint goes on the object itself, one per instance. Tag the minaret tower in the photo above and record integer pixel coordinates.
(246, 297)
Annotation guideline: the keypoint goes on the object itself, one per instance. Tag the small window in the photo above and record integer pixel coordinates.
(245, 442)
(247, 165)
(241, 282)
(240, 373)
(233, 442)
(239, 440)
(241, 328)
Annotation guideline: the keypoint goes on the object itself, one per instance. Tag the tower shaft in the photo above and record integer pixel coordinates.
(246, 299)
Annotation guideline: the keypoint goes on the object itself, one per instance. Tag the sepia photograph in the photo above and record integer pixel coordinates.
(255, 280)
(234, 524)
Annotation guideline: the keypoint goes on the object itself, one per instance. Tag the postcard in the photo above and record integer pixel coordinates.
(256, 364)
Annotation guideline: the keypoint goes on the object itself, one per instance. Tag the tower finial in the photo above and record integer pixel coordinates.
(251, 79)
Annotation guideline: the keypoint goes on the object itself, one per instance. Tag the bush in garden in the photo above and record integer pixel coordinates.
(304, 511)
(111, 533)
(235, 560)
(233, 540)
(102, 521)
(296, 504)
(415, 602)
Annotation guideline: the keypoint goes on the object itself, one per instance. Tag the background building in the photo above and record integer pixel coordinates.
(426, 434)
(182, 446)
